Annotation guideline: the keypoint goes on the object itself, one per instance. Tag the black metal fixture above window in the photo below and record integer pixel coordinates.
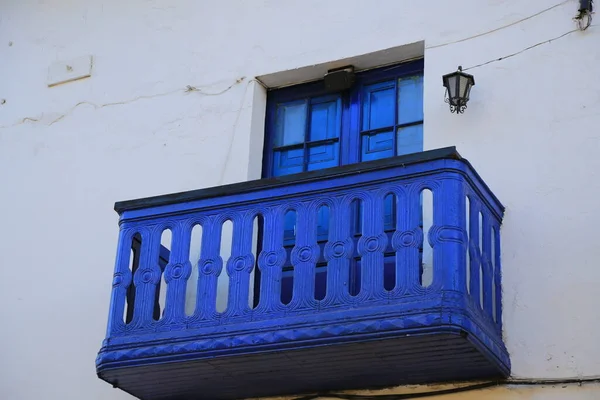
(458, 87)
(339, 79)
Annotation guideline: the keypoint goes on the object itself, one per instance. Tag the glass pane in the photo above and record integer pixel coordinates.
(375, 147)
(287, 285)
(409, 139)
(356, 221)
(320, 282)
(452, 86)
(378, 106)
(468, 94)
(354, 278)
(463, 86)
(389, 273)
(324, 156)
(290, 123)
(288, 162)
(323, 223)
(289, 228)
(389, 214)
(410, 99)
(325, 120)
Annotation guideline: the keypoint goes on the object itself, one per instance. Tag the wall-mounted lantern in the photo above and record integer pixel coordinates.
(458, 87)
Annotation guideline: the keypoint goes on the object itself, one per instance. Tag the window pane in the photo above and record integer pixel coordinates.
(452, 87)
(389, 274)
(287, 285)
(410, 139)
(323, 223)
(410, 99)
(289, 229)
(378, 106)
(389, 214)
(320, 282)
(325, 120)
(375, 147)
(290, 123)
(324, 156)
(463, 87)
(288, 161)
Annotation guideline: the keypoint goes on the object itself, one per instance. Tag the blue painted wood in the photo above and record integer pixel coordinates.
(177, 272)
(474, 251)
(486, 265)
(466, 331)
(270, 262)
(210, 266)
(369, 364)
(497, 275)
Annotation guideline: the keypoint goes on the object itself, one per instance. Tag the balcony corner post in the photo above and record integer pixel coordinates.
(449, 234)
(122, 279)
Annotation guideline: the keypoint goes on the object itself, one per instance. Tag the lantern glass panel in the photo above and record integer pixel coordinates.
(464, 85)
(452, 86)
(469, 86)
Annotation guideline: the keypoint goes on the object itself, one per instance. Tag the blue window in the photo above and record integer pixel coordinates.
(308, 129)
(380, 116)
(307, 134)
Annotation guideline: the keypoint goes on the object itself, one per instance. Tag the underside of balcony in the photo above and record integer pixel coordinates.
(338, 305)
(371, 360)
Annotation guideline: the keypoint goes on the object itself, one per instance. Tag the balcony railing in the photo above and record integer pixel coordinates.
(372, 274)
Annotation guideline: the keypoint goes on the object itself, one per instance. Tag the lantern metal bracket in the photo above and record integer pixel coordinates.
(455, 108)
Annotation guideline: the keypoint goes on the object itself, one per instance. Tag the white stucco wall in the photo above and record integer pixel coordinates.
(132, 129)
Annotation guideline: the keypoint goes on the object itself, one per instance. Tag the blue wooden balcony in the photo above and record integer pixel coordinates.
(369, 275)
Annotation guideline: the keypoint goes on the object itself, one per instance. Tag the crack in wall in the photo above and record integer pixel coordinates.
(187, 89)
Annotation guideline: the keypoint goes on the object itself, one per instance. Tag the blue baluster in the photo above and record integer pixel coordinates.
(271, 261)
(407, 240)
(240, 265)
(371, 246)
(210, 266)
(122, 279)
(177, 273)
(448, 235)
(338, 253)
(147, 277)
(304, 256)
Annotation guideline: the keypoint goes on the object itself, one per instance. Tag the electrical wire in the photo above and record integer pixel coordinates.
(405, 396)
(521, 51)
(479, 386)
(583, 19)
(499, 28)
